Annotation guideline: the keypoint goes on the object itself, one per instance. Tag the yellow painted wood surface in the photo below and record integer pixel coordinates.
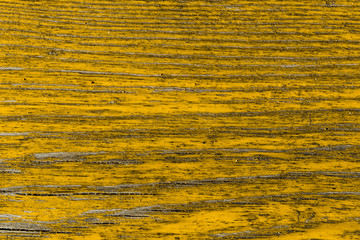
(179, 119)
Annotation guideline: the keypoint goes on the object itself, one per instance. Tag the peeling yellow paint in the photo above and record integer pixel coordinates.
(179, 120)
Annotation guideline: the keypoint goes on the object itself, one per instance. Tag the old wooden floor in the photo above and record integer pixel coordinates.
(179, 119)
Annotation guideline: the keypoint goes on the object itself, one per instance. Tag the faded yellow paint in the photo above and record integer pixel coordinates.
(179, 120)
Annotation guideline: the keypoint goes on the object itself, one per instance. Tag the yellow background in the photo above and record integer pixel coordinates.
(179, 119)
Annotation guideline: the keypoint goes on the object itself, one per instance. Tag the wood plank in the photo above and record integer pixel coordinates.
(179, 119)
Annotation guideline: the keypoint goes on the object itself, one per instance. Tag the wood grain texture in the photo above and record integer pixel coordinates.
(179, 119)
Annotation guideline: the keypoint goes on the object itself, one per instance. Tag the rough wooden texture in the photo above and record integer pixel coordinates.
(179, 119)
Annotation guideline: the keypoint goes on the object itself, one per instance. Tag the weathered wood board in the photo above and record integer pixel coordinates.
(179, 119)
